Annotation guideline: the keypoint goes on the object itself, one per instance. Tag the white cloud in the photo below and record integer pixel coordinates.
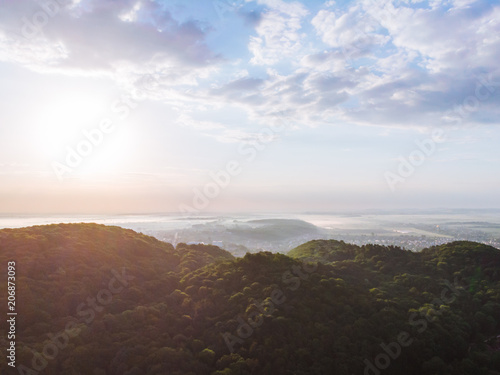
(103, 37)
(419, 63)
(370, 63)
(444, 37)
(293, 9)
(131, 15)
(278, 34)
(462, 4)
(353, 31)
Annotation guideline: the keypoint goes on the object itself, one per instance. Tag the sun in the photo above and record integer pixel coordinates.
(81, 137)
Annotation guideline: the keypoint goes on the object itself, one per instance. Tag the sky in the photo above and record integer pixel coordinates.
(269, 105)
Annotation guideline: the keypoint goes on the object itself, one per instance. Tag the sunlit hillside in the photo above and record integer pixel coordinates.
(94, 299)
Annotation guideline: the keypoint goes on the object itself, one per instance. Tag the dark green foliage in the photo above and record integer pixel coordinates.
(325, 308)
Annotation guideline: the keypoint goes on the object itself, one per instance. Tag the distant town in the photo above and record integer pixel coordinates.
(245, 233)
(282, 235)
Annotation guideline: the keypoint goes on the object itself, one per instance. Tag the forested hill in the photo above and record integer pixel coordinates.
(94, 299)
(457, 259)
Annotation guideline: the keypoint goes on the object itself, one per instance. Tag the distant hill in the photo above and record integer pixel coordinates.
(93, 299)
(458, 258)
(325, 251)
(274, 229)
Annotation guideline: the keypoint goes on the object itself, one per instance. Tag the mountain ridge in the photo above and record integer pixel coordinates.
(195, 309)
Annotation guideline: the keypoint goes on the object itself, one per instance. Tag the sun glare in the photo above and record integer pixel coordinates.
(110, 157)
(60, 121)
(82, 137)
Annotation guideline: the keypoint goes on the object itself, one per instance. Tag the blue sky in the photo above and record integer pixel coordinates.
(134, 106)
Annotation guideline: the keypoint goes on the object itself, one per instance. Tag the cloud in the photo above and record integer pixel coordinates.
(302, 97)
(354, 31)
(371, 62)
(102, 37)
(384, 65)
(409, 65)
(278, 34)
(462, 4)
(241, 90)
(445, 36)
(292, 9)
(240, 85)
